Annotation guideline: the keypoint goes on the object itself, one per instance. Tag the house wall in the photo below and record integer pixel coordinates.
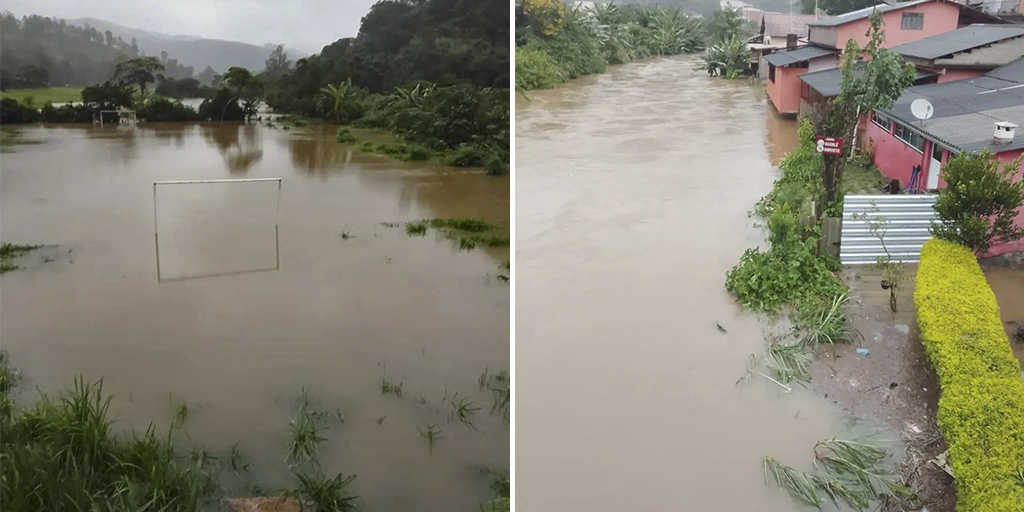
(896, 160)
(939, 17)
(958, 74)
(892, 156)
(1009, 156)
(784, 92)
(822, 63)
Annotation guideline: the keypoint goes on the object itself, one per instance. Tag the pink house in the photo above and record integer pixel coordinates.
(904, 22)
(973, 114)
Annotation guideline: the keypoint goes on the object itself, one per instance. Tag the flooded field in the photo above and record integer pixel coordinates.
(264, 292)
(633, 189)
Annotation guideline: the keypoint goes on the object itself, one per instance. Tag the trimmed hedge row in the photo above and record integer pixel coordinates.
(981, 410)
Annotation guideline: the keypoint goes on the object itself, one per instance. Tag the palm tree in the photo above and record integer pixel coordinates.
(339, 94)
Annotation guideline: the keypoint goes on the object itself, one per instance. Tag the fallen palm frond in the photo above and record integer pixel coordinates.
(788, 362)
(823, 321)
(800, 485)
(846, 472)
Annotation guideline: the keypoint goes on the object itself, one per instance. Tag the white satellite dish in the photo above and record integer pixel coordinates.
(922, 109)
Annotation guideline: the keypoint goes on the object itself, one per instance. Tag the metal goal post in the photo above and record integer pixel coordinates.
(277, 222)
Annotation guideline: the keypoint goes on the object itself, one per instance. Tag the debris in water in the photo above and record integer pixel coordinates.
(720, 328)
(380, 421)
(863, 351)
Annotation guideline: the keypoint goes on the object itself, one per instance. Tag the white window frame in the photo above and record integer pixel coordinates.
(912, 21)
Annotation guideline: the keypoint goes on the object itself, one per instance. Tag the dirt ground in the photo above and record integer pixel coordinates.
(895, 383)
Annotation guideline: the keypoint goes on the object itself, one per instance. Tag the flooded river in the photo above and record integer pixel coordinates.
(632, 195)
(263, 293)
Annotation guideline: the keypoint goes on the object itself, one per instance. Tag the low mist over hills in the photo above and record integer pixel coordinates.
(193, 51)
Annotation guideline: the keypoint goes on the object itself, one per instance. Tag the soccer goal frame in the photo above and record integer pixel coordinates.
(131, 116)
(277, 222)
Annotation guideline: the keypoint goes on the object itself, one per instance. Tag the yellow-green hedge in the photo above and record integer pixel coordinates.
(981, 409)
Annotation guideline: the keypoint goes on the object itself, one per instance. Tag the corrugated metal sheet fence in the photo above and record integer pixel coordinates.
(904, 222)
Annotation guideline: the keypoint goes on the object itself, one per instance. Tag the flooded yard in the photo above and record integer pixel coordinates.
(266, 289)
(634, 188)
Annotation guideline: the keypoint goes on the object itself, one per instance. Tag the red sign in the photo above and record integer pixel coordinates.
(829, 145)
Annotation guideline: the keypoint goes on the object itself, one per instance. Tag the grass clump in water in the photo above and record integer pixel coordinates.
(502, 501)
(468, 233)
(345, 136)
(10, 251)
(470, 242)
(398, 150)
(61, 454)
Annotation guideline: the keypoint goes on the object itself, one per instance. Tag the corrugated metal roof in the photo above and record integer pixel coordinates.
(788, 57)
(864, 13)
(828, 83)
(905, 219)
(959, 40)
(965, 111)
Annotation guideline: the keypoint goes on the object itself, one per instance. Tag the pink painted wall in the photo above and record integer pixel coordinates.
(1009, 156)
(955, 74)
(939, 17)
(784, 92)
(896, 160)
(892, 156)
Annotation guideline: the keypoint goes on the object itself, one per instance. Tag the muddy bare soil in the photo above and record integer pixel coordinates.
(894, 384)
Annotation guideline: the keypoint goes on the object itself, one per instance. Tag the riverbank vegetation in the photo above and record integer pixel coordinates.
(555, 44)
(981, 408)
(467, 233)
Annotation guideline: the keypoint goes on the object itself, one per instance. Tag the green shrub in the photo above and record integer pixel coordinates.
(398, 150)
(536, 70)
(980, 202)
(981, 410)
(784, 275)
(345, 136)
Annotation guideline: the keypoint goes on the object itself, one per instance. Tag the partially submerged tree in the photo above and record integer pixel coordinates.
(245, 87)
(866, 86)
(337, 95)
(978, 206)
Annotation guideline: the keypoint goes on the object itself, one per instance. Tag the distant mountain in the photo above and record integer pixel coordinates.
(194, 51)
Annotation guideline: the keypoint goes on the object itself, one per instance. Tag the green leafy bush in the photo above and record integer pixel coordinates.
(981, 410)
(345, 136)
(785, 274)
(536, 70)
(980, 202)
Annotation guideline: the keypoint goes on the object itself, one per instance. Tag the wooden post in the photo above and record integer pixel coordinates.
(831, 233)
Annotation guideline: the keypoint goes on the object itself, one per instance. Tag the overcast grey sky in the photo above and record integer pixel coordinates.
(305, 25)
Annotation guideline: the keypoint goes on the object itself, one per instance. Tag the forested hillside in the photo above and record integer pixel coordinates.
(195, 52)
(36, 51)
(442, 41)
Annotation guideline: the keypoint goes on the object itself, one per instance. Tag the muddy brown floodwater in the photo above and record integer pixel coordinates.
(316, 310)
(633, 189)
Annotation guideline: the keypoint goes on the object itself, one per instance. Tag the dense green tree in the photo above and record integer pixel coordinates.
(140, 72)
(108, 96)
(278, 63)
(245, 87)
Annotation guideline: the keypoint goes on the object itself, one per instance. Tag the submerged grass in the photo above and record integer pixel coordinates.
(403, 151)
(61, 454)
(468, 233)
(10, 251)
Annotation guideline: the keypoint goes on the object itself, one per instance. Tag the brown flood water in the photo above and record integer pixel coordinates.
(633, 189)
(318, 311)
